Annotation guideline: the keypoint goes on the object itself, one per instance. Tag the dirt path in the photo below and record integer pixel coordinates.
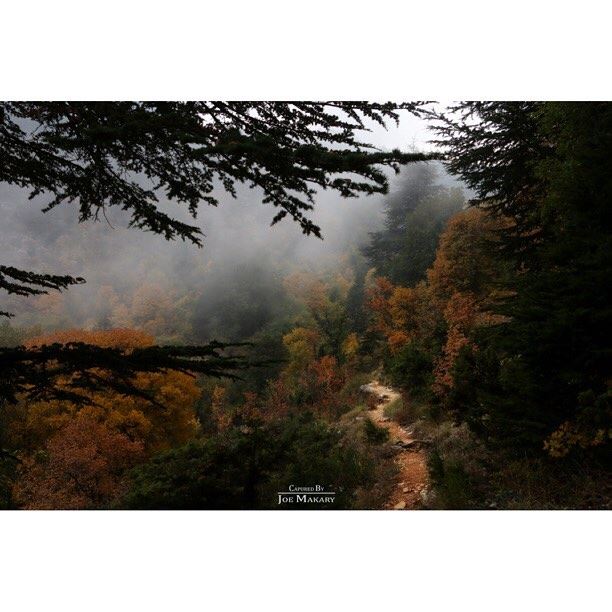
(410, 459)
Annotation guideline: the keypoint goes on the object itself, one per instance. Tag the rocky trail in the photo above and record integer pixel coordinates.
(410, 458)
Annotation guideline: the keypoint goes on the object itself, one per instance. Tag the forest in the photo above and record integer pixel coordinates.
(204, 304)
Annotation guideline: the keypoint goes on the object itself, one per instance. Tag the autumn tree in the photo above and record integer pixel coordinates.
(326, 307)
(303, 347)
(168, 422)
(79, 468)
(71, 453)
(425, 327)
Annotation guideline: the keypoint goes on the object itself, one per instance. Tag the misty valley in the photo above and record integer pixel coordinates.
(286, 306)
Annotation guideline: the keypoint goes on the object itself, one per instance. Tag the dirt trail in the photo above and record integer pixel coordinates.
(410, 459)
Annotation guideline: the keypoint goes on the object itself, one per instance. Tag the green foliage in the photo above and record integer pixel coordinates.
(355, 299)
(354, 382)
(457, 467)
(415, 215)
(451, 482)
(8, 469)
(245, 468)
(495, 148)
(253, 299)
(10, 336)
(464, 477)
(402, 412)
(375, 434)
(412, 368)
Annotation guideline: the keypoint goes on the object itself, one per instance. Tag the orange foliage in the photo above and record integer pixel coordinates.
(322, 381)
(156, 427)
(219, 411)
(251, 409)
(377, 300)
(278, 399)
(327, 375)
(463, 262)
(569, 435)
(125, 339)
(81, 467)
(307, 289)
(456, 295)
(462, 315)
(401, 314)
(317, 386)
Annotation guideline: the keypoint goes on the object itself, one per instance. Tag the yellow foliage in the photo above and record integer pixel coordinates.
(568, 435)
(302, 344)
(220, 414)
(160, 427)
(350, 346)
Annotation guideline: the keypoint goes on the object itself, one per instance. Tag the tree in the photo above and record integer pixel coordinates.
(425, 327)
(467, 260)
(415, 215)
(303, 345)
(495, 147)
(325, 303)
(35, 372)
(71, 454)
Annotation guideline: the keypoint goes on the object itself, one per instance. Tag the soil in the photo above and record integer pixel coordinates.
(410, 458)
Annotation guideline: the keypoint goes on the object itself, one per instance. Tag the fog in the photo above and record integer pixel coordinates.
(134, 277)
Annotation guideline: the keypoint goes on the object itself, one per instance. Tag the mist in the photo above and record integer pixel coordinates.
(229, 289)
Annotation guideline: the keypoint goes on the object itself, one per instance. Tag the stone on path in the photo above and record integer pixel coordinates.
(400, 506)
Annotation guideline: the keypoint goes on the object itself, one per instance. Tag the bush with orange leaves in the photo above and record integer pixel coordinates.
(314, 387)
(591, 427)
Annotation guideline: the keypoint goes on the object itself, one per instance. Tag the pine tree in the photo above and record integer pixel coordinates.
(415, 215)
(547, 167)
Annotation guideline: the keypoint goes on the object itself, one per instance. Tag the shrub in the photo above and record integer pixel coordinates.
(400, 411)
(457, 467)
(375, 434)
(412, 368)
(244, 468)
